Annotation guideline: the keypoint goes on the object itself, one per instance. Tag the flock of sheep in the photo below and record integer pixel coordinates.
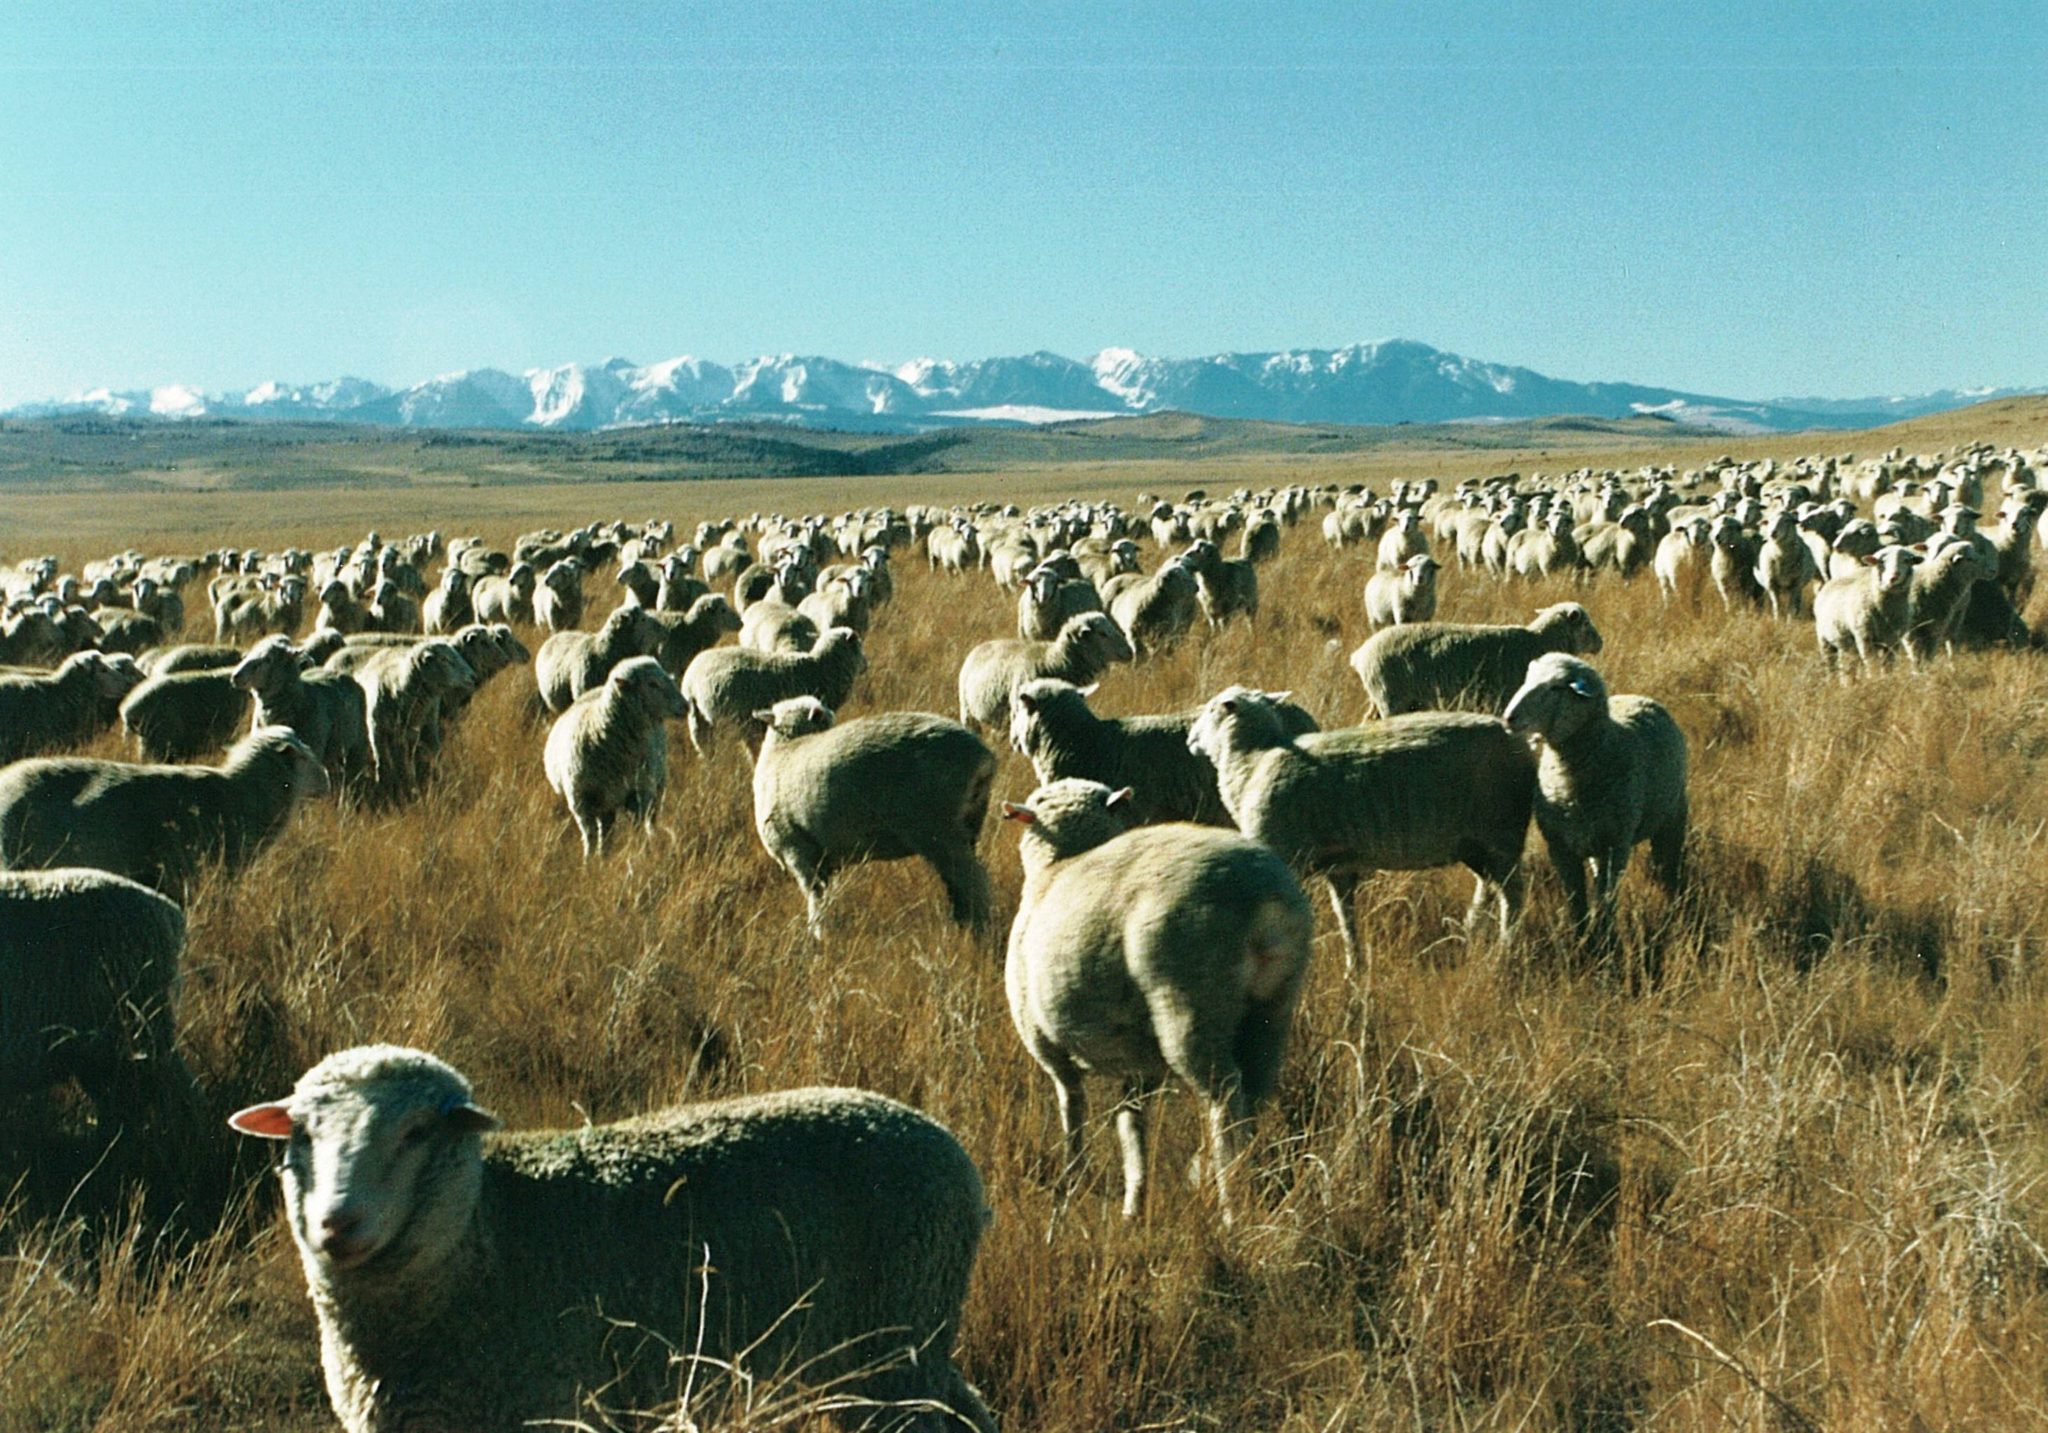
(1162, 935)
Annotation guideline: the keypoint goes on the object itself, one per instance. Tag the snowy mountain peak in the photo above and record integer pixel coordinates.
(1385, 381)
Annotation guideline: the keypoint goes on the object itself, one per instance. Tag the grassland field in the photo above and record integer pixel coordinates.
(1795, 1182)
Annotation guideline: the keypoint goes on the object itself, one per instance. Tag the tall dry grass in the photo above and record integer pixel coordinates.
(1794, 1181)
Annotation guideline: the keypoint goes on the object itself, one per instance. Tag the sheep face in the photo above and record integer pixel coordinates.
(1560, 695)
(1065, 818)
(266, 665)
(647, 686)
(1236, 719)
(380, 1142)
(1574, 622)
(796, 716)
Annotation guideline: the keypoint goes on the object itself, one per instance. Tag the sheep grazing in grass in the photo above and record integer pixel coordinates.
(184, 715)
(1611, 775)
(1085, 646)
(1406, 594)
(327, 710)
(1164, 951)
(155, 824)
(685, 634)
(1157, 611)
(1866, 611)
(1051, 724)
(727, 686)
(1427, 666)
(67, 707)
(405, 692)
(882, 788)
(88, 976)
(481, 1281)
(607, 754)
(572, 663)
(1410, 793)
(1940, 594)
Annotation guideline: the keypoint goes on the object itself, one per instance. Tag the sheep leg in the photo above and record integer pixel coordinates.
(1571, 874)
(1343, 888)
(1667, 854)
(1130, 1137)
(966, 886)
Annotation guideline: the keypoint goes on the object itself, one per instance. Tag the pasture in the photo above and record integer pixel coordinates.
(1796, 1180)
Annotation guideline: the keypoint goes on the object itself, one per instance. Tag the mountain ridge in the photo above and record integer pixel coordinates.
(1389, 381)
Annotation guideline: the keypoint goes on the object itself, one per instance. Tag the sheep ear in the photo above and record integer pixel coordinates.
(472, 1119)
(1091, 689)
(263, 1121)
(1279, 696)
(765, 716)
(1119, 798)
(1022, 815)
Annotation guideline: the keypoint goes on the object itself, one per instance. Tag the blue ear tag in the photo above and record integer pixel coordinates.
(1583, 687)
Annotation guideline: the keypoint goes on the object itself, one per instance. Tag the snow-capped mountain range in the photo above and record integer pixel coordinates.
(1396, 381)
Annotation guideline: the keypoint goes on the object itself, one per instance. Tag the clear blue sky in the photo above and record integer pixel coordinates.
(1834, 199)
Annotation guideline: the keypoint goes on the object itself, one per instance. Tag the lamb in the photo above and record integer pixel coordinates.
(881, 788)
(726, 686)
(89, 964)
(1409, 793)
(328, 710)
(572, 663)
(489, 1282)
(1084, 647)
(1050, 723)
(685, 634)
(1406, 594)
(1171, 950)
(1867, 610)
(1611, 775)
(1421, 666)
(184, 715)
(155, 824)
(66, 708)
(608, 751)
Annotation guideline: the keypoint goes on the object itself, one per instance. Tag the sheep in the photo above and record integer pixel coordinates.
(1050, 723)
(1940, 593)
(771, 626)
(1156, 612)
(608, 751)
(448, 606)
(1419, 666)
(155, 824)
(880, 788)
(1086, 645)
(1732, 562)
(726, 686)
(572, 663)
(1406, 594)
(339, 610)
(1784, 564)
(1172, 950)
(685, 634)
(1224, 588)
(1409, 793)
(558, 600)
(464, 1279)
(679, 590)
(844, 601)
(505, 599)
(65, 708)
(1052, 593)
(405, 690)
(328, 710)
(1403, 540)
(1868, 610)
(89, 967)
(1611, 775)
(184, 715)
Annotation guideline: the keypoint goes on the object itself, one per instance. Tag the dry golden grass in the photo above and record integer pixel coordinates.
(1797, 1181)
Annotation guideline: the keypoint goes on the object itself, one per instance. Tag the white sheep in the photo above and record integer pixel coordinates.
(881, 788)
(1164, 951)
(1611, 775)
(1404, 594)
(607, 754)
(1419, 666)
(487, 1282)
